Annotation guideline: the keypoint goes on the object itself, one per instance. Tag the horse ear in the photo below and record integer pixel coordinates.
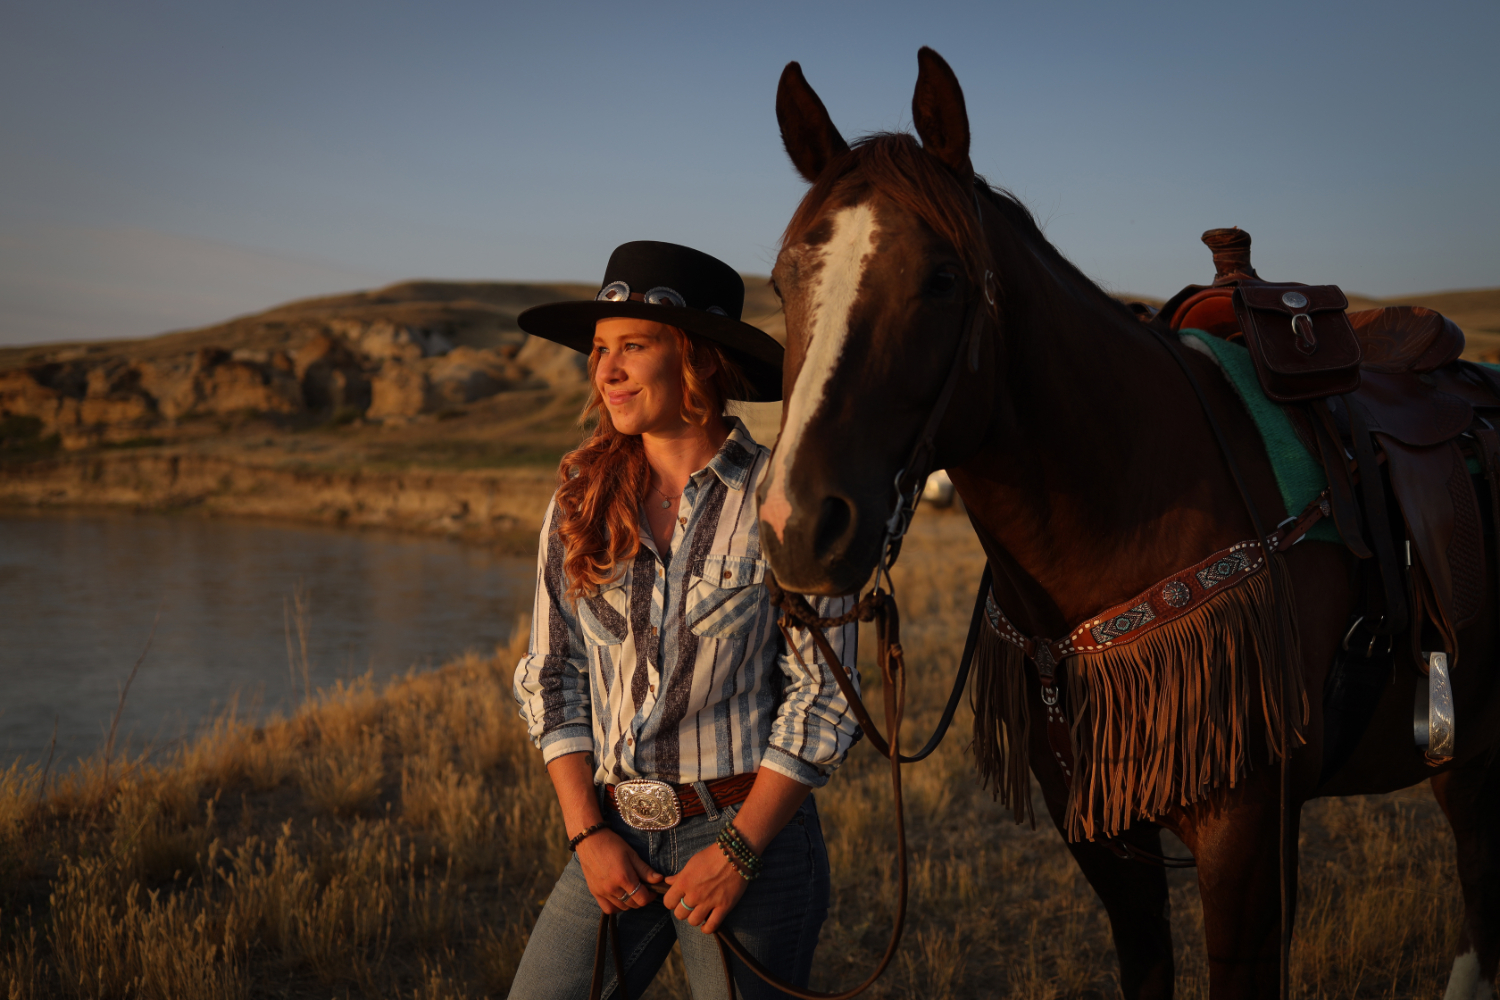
(937, 109)
(806, 130)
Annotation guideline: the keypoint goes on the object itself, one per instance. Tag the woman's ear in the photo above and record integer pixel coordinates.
(707, 365)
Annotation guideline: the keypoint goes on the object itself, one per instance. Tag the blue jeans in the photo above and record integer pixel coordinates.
(777, 919)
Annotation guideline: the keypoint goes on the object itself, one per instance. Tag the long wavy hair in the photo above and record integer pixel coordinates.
(602, 482)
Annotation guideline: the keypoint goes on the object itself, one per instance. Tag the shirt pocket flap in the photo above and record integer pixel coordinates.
(733, 571)
(725, 598)
(605, 617)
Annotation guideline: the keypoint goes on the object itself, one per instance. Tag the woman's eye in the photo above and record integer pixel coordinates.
(942, 283)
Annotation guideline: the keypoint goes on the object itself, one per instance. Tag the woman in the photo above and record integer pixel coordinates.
(681, 735)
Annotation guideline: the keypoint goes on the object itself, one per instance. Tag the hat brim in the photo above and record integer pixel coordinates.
(755, 351)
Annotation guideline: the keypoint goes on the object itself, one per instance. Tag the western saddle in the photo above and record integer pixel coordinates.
(1407, 436)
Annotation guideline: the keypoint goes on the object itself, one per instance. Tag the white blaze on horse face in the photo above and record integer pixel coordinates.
(833, 293)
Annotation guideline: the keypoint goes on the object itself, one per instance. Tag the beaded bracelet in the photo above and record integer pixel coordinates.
(736, 841)
(737, 851)
(573, 844)
(734, 863)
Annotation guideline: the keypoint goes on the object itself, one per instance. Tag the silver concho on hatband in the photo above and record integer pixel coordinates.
(661, 295)
(648, 804)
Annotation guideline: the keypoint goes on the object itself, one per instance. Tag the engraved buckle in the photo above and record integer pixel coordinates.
(648, 804)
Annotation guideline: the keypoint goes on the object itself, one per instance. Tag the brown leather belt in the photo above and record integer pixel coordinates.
(725, 792)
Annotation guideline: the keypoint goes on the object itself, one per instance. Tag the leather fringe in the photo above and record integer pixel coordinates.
(1161, 722)
(1002, 722)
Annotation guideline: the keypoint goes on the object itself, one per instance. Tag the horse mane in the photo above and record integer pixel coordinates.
(895, 165)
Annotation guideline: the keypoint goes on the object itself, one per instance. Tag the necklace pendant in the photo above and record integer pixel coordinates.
(665, 504)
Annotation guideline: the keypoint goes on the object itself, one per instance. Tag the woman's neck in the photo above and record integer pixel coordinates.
(676, 454)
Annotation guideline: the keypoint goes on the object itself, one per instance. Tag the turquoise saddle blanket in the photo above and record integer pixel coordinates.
(1298, 473)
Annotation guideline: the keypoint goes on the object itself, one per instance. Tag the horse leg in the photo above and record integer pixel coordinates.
(1235, 845)
(1134, 894)
(1470, 796)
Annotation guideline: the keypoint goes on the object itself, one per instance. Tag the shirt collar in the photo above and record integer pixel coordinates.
(736, 457)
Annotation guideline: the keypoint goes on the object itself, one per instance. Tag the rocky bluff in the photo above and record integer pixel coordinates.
(388, 355)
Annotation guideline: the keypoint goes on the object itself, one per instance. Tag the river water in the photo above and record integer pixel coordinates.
(79, 593)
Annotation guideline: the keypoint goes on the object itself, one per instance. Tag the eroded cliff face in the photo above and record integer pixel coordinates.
(347, 369)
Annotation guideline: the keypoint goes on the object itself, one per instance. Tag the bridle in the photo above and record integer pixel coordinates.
(912, 477)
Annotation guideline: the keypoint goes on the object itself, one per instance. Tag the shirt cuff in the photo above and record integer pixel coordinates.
(565, 740)
(795, 768)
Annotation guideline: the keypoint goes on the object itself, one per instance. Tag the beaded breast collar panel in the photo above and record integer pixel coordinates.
(1164, 601)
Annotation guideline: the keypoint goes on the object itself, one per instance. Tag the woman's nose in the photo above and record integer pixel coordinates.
(608, 371)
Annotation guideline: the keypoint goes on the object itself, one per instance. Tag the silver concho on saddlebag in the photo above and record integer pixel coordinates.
(647, 804)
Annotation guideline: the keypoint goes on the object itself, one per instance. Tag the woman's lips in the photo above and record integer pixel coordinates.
(619, 398)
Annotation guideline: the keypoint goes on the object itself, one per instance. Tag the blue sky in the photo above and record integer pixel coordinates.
(164, 165)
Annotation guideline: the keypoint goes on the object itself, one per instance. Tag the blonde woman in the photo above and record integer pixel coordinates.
(682, 736)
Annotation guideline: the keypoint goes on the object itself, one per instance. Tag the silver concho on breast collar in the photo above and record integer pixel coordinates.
(648, 804)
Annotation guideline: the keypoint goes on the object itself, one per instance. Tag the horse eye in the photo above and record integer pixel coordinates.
(775, 288)
(942, 283)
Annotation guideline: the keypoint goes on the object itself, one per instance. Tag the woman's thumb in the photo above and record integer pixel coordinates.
(643, 870)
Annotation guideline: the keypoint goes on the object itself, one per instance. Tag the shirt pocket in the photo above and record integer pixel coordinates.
(725, 596)
(605, 617)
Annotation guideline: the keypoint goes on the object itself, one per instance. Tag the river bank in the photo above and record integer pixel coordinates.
(500, 507)
(483, 472)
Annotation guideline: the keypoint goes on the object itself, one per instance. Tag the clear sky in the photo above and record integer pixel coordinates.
(165, 165)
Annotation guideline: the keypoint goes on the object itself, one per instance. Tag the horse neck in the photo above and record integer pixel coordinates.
(1094, 480)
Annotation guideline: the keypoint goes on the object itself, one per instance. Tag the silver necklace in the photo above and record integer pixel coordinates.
(666, 501)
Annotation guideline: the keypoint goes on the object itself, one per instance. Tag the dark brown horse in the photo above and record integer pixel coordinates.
(1090, 473)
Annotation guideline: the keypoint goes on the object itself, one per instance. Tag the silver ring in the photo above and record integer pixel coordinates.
(632, 892)
(684, 904)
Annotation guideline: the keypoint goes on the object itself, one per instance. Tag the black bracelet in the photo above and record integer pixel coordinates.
(573, 844)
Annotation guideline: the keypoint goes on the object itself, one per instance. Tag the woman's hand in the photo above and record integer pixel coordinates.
(710, 885)
(617, 877)
(709, 882)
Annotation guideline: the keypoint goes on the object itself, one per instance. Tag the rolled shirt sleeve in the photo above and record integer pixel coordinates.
(552, 680)
(814, 726)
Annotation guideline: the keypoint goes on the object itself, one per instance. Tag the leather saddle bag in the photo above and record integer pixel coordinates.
(1300, 339)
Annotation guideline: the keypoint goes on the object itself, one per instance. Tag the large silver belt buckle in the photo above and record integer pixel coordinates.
(648, 804)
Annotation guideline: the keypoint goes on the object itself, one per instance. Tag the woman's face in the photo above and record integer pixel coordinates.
(639, 374)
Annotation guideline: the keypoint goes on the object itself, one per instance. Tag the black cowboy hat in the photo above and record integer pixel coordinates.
(675, 285)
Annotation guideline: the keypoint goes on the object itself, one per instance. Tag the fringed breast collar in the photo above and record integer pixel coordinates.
(1157, 709)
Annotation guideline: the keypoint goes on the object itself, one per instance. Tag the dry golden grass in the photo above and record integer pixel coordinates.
(399, 843)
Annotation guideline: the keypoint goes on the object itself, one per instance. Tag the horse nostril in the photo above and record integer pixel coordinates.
(834, 521)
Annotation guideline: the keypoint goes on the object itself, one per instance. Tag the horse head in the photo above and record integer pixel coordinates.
(880, 273)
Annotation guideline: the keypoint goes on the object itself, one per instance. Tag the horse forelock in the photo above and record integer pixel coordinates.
(893, 165)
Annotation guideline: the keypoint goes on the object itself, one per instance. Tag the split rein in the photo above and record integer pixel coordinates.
(878, 607)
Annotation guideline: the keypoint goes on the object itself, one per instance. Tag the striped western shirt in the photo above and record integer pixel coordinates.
(676, 669)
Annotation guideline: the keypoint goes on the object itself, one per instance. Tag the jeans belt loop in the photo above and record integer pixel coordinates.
(707, 798)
